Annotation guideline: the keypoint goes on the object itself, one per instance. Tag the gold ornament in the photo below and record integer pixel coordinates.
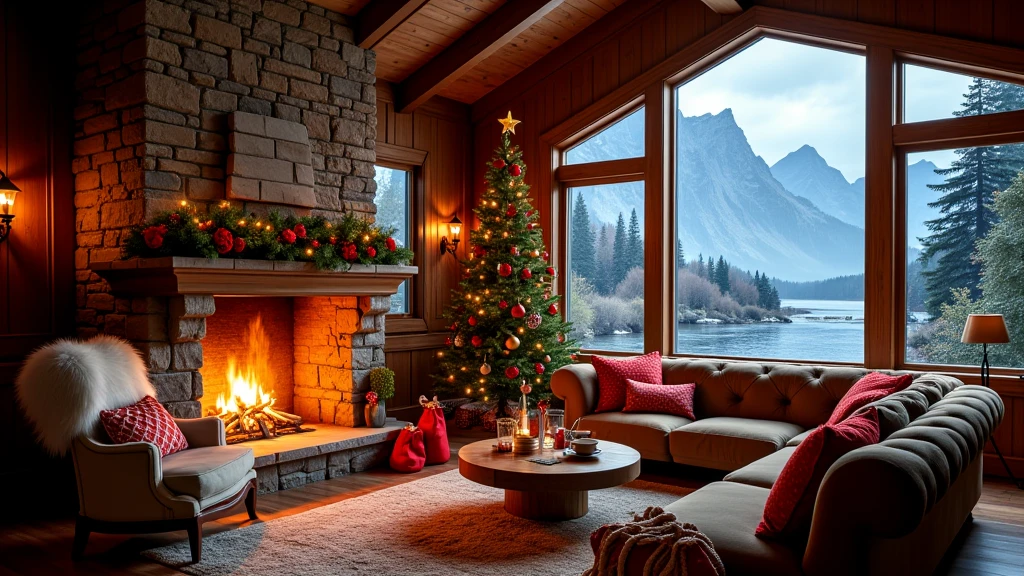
(485, 369)
(512, 343)
(509, 125)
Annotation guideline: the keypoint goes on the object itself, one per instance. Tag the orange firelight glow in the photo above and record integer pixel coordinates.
(248, 379)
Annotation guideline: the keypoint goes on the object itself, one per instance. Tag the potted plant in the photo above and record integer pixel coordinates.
(382, 388)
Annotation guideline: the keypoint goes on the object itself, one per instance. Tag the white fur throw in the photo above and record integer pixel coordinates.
(64, 385)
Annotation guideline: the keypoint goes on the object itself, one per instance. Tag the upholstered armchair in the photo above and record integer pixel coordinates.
(128, 488)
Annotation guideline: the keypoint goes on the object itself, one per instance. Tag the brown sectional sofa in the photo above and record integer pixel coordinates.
(890, 508)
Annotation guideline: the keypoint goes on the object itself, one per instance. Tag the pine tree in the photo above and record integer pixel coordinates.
(965, 209)
(506, 324)
(634, 244)
(711, 270)
(621, 262)
(722, 275)
(603, 282)
(581, 245)
(1003, 280)
(680, 256)
(700, 264)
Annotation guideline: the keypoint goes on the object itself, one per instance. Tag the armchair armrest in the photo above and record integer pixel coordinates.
(202, 432)
(576, 384)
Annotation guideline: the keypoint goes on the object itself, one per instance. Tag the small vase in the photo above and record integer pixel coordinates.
(375, 414)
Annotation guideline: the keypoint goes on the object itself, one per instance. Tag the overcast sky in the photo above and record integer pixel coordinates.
(784, 95)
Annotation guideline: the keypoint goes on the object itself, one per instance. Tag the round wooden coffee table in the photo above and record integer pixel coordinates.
(541, 492)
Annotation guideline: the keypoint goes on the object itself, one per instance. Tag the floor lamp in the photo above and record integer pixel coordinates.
(988, 329)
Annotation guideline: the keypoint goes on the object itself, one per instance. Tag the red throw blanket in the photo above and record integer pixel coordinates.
(653, 544)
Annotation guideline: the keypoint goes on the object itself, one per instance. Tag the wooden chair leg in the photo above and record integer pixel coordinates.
(250, 502)
(195, 539)
(81, 538)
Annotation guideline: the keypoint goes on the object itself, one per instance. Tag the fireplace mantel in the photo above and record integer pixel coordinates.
(174, 275)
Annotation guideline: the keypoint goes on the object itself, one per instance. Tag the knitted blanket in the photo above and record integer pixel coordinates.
(658, 543)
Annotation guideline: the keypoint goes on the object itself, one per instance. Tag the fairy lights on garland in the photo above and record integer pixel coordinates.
(227, 231)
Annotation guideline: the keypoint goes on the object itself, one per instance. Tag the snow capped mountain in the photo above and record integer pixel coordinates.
(806, 174)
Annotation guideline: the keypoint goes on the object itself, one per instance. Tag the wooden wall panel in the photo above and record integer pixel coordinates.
(441, 128)
(37, 296)
(639, 35)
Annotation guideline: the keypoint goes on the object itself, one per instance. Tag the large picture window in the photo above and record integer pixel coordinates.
(393, 201)
(770, 204)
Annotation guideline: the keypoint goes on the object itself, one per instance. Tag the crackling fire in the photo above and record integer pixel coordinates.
(248, 407)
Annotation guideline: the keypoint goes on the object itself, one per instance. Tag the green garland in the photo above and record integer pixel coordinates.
(228, 232)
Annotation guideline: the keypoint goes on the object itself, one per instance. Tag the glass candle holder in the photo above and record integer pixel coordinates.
(555, 419)
(506, 432)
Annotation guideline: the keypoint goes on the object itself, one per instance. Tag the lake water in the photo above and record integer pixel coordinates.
(810, 336)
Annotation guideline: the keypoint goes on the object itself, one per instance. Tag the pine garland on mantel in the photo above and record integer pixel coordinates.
(227, 231)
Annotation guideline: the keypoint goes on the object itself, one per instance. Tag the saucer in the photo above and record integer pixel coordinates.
(571, 452)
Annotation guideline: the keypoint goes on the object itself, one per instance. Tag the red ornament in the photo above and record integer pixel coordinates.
(545, 255)
(479, 251)
(390, 242)
(300, 230)
(550, 271)
(175, 218)
(288, 237)
(371, 251)
(511, 210)
(526, 274)
(511, 372)
(315, 244)
(476, 341)
(154, 236)
(525, 388)
(504, 269)
(503, 304)
(539, 368)
(448, 341)
(223, 241)
(514, 251)
(531, 226)
(553, 309)
(349, 251)
(472, 321)
(518, 311)
(332, 240)
(529, 213)
(499, 163)
(455, 326)
(239, 244)
(515, 170)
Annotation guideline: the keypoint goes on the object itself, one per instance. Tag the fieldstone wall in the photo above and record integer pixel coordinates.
(155, 84)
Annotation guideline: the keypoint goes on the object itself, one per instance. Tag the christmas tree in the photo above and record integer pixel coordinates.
(506, 323)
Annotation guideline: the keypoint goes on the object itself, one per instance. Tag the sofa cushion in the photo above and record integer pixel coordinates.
(727, 512)
(145, 421)
(868, 389)
(726, 443)
(203, 472)
(658, 399)
(646, 433)
(612, 374)
(796, 440)
(763, 472)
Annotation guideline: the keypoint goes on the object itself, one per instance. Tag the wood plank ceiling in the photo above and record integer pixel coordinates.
(411, 38)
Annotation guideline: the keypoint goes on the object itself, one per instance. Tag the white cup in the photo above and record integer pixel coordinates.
(584, 446)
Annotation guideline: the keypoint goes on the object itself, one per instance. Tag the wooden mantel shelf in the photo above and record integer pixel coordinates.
(235, 277)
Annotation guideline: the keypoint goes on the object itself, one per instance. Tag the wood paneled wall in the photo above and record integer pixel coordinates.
(641, 34)
(441, 128)
(37, 292)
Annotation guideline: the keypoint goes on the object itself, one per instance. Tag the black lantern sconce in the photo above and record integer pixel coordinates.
(455, 230)
(8, 191)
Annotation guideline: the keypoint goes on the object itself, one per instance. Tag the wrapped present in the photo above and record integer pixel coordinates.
(449, 406)
(489, 420)
(468, 415)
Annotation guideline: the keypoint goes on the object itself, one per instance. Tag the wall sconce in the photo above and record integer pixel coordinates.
(455, 229)
(7, 193)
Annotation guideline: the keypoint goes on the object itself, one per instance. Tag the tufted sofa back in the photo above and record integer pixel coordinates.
(798, 394)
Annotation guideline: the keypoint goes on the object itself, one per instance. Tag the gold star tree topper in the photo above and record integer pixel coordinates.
(508, 123)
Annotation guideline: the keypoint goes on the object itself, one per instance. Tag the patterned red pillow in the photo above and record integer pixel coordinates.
(660, 398)
(790, 506)
(145, 421)
(874, 386)
(612, 374)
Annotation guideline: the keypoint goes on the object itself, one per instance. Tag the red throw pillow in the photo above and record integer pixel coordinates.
(790, 506)
(145, 421)
(874, 386)
(660, 398)
(612, 374)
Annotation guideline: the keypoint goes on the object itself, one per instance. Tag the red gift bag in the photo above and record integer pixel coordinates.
(435, 431)
(408, 454)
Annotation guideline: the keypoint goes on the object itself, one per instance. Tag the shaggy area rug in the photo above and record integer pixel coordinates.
(443, 525)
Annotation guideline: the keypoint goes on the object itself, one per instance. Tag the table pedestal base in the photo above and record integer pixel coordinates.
(546, 505)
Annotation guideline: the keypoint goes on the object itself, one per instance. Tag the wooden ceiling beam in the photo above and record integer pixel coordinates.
(473, 47)
(380, 17)
(724, 6)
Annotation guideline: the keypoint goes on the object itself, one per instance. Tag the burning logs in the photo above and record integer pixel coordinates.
(243, 422)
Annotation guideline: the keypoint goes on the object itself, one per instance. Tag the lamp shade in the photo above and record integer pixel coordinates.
(985, 329)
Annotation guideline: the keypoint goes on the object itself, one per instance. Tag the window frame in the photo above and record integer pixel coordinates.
(886, 48)
(412, 161)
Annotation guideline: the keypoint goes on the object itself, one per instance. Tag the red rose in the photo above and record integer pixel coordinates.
(371, 251)
(391, 244)
(349, 251)
(154, 236)
(288, 237)
(239, 244)
(371, 398)
(515, 170)
(223, 241)
(300, 230)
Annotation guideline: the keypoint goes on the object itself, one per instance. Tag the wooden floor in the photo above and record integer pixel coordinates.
(992, 545)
